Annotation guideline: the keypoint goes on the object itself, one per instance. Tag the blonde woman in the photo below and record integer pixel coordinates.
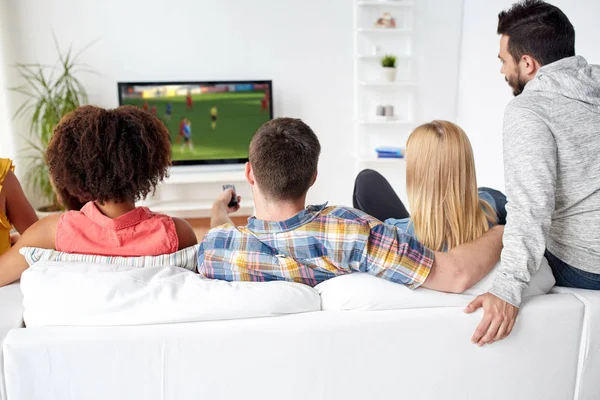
(447, 208)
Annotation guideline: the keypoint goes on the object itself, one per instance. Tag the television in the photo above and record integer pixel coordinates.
(209, 122)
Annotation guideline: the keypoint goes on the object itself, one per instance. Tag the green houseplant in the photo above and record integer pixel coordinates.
(51, 92)
(388, 62)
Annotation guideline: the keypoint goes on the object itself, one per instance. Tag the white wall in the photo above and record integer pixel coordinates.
(7, 148)
(483, 93)
(437, 45)
(304, 46)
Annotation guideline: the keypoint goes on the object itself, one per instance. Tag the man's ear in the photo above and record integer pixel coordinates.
(249, 174)
(529, 65)
(315, 177)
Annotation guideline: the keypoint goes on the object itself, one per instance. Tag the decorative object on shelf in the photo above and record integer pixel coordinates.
(389, 111)
(389, 152)
(386, 112)
(385, 21)
(388, 62)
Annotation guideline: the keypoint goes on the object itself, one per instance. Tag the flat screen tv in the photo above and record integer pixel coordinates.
(209, 122)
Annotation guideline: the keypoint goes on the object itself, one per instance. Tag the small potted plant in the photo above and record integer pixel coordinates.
(388, 62)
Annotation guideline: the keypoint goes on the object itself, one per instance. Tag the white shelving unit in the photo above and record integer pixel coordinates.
(388, 3)
(374, 160)
(386, 31)
(387, 84)
(377, 58)
(371, 90)
(380, 122)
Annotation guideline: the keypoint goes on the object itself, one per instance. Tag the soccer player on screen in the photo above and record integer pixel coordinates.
(181, 131)
(187, 136)
(264, 103)
(145, 106)
(188, 100)
(214, 113)
(168, 111)
(153, 110)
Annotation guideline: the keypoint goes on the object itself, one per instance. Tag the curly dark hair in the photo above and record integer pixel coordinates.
(103, 155)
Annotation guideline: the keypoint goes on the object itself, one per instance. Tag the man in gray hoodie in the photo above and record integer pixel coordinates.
(551, 162)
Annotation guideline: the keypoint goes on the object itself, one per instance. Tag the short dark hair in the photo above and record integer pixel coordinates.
(284, 154)
(539, 29)
(103, 155)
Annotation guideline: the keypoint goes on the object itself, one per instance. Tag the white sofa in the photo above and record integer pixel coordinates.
(337, 352)
(11, 317)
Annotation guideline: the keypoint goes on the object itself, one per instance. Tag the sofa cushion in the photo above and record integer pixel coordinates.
(361, 291)
(185, 258)
(77, 293)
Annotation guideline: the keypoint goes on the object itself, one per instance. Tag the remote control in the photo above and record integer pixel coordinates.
(233, 202)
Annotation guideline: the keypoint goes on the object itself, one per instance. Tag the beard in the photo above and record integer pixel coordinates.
(516, 83)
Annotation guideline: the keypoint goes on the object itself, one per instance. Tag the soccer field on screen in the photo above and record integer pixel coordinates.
(239, 116)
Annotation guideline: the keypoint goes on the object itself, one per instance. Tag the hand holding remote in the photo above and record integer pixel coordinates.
(230, 198)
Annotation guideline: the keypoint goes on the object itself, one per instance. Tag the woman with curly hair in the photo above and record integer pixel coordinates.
(103, 161)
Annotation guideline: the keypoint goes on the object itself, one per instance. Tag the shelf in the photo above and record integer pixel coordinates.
(374, 160)
(383, 122)
(391, 3)
(385, 31)
(387, 84)
(378, 58)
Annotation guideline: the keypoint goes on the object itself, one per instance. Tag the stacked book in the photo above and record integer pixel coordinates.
(389, 152)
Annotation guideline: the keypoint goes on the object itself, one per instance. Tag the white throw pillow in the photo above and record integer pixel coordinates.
(541, 282)
(76, 293)
(361, 291)
(185, 258)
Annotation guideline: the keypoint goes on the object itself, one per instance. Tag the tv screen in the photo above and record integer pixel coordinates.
(209, 122)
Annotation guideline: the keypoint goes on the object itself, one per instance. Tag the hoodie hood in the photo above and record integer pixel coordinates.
(571, 77)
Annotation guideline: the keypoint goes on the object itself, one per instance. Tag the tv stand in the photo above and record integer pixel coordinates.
(178, 177)
(190, 192)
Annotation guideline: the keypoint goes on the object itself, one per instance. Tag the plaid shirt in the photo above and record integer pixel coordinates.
(317, 244)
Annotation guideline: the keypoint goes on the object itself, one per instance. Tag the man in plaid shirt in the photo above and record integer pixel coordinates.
(289, 241)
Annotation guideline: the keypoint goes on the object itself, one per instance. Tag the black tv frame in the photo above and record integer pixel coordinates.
(120, 85)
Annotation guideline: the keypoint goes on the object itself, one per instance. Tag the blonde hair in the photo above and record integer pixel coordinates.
(442, 187)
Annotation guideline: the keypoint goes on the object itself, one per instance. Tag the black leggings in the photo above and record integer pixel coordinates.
(374, 195)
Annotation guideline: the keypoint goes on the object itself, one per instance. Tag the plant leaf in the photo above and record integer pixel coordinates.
(51, 91)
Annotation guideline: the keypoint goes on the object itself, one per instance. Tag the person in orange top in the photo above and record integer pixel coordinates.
(15, 209)
(134, 156)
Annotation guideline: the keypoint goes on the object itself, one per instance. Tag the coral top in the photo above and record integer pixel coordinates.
(5, 225)
(139, 232)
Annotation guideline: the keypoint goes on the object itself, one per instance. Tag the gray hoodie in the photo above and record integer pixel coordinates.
(552, 174)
